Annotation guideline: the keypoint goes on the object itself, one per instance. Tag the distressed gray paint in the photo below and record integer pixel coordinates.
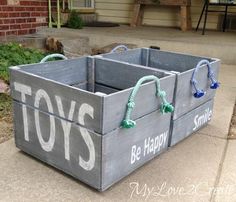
(180, 64)
(184, 100)
(113, 145)
(146, 102)
(185, 125)
(113, 151)
(65, 92)
(109, 76)
(173, 61)
(64, 71)
(104, 128)
(133, 56)
(120, 75)
(117, 145)
(56, 157)
(104, 89)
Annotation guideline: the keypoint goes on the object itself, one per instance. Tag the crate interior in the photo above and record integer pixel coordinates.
(98, 75)
(158, 59)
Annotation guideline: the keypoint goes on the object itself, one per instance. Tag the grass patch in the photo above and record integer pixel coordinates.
(5, 108)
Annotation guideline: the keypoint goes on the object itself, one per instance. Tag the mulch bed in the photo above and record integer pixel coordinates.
(232, 130)
(6, 131)
(6, 126)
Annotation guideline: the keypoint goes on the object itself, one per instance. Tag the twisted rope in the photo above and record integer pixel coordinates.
(165, 106)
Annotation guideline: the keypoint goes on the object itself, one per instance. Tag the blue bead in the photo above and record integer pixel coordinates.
(215, 85)
(199, 94)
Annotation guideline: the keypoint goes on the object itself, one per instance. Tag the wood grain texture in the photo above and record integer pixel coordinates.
(56, 157)
(185, 18)
(65, 92)
(164, 2)
(67, 71)
(145, 102)
(121, 75)
(185, 12)
(117, 151)
(184, 99)
(183, 66)
(186, 124)
(110, 77)
(112, 151)
(117, 146)
(121, 11)
(137, 15)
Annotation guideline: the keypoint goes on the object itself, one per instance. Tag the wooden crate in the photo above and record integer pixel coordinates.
(191, 122)
(183, 67)
(185, 11)
(165, 2)
(60, 119)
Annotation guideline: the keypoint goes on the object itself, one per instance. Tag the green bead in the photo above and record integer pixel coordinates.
(128, 124)
(167, 108)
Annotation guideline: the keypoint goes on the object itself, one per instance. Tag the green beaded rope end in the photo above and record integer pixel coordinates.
(128, 124)
(167, 108)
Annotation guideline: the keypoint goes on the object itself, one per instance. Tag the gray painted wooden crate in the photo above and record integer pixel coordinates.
(183, 66)
(180, 64)
(60, 119)
(191, 122)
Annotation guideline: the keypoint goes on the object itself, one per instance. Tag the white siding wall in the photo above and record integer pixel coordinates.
(120, 11)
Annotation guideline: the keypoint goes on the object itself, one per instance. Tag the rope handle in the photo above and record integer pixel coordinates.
(165, 106)
(119, 46)
(55, 55)
(197, 92)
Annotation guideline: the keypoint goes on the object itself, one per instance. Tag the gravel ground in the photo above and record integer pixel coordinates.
(6, 131)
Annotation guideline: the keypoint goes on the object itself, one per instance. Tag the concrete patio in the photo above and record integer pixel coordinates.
(213, 43)
(200, 168)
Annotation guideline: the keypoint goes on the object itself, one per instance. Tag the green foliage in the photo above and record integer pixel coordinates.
(75, 21)
(12, 54)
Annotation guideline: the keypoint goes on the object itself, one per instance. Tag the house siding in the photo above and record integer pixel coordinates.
(19, 17)
(121, 11)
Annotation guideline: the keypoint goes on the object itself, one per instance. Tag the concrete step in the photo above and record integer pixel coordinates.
(214, 44)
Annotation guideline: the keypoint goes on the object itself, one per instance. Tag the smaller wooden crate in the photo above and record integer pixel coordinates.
(191, 122)
(61, 119)
(180, 64)
(183, 66)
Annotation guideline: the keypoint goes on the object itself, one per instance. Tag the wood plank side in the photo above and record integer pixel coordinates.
(56, 157)
(185, 12)
(165, 2)
(184, 99)
(185, 64)
(121, 75)
(137, 15)
(91, 74)
(171, 61)
(133, 56)
(119, 145)
(145, 103)
(67, 71)
(62, 98)
(185, 18)
(191, 122)
(105, 89)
